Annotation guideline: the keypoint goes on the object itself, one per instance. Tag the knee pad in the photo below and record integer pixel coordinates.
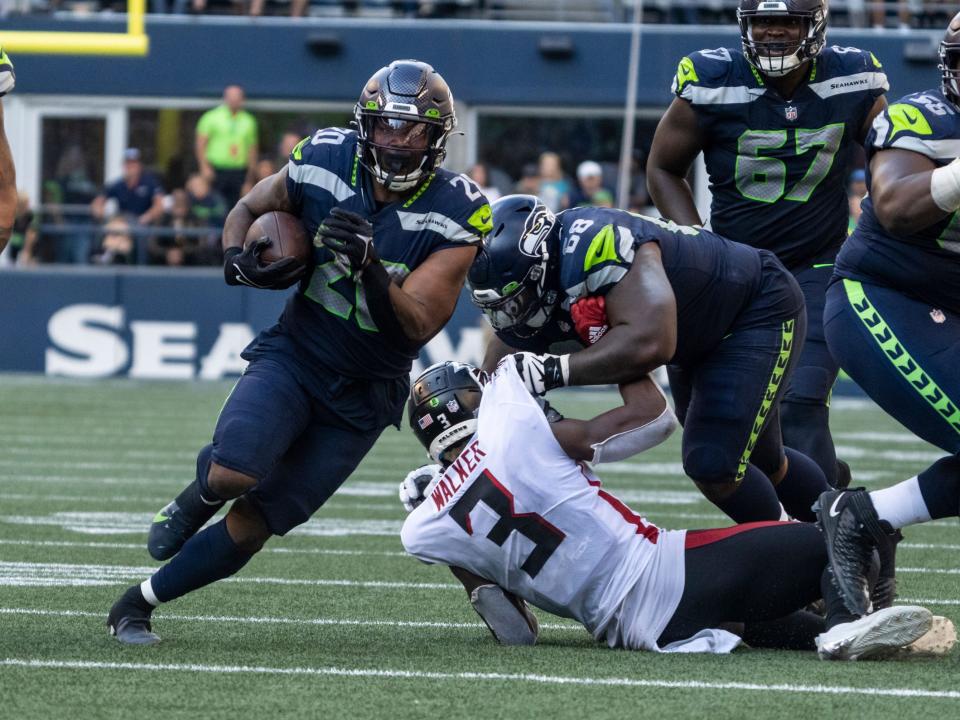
(204, 458)
(710, 465)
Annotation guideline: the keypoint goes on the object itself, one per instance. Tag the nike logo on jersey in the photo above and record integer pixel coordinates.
(833, 512)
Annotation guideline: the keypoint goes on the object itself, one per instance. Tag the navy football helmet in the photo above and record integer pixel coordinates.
(950, 62)
(510, 279)
(404, 117)
(776, 58)
(443, 406)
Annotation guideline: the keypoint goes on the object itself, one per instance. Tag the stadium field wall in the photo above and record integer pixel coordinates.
(487, 63)
(155, 324)
(159, 324)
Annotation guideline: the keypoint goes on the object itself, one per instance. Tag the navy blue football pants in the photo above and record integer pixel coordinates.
(804, 411)
(904, 353)
(300, 445)
(728, 403)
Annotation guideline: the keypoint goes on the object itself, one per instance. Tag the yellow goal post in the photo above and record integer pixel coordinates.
(133, 42)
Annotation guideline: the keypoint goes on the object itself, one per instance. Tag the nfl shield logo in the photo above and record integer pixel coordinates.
(791, 112)
(453, 406)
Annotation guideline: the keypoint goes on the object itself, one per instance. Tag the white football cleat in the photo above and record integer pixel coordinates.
(877, 635)
(937, 642)
(511, 623)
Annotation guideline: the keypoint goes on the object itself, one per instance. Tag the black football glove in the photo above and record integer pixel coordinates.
(242, 267)
(7, 77)
(350, 238)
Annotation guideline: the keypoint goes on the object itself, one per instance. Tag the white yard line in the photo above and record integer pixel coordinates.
(528, 678)
(142, 546)
(279, 620)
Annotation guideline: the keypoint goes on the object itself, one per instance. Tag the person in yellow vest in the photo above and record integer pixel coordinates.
(226, 144)
(8, 178)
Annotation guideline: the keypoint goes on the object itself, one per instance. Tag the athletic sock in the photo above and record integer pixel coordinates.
(940, 486)
(208, 556)
(754, 500)
(801, 486)
(901, 504)
(806, 429)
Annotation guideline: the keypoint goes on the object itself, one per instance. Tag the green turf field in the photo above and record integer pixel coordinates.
(334, 621)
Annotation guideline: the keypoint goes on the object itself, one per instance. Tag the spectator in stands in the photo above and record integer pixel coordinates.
(64, 195)
(478, 173)
(590, 190)
(529, 183)
(288, 141)
(116, 246)
(206, 206)
(184, 241)
(554, 188)
(856, 189)
(297, 7)
(226, 145)
(264, 168)
(138, 194)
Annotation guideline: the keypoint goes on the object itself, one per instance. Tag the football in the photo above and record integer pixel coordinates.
(288, 236)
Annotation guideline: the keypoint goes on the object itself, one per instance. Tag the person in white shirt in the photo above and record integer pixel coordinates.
(515, 511)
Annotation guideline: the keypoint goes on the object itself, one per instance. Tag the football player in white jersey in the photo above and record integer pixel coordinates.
(512, 507)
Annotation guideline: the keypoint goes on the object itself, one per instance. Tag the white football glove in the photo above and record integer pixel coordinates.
(416, 484)
(542, 373)
(7, 77)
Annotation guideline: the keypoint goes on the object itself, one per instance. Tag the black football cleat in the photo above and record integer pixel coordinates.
(129, 619)
(178, 522)
(851, 531)
(884, 591)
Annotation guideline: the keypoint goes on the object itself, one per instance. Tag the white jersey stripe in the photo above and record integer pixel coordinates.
(857, 82)
(321, 178)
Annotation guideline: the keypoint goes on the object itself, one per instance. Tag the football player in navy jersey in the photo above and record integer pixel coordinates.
(394, 236)
(777, 123)
(8, 180)
(633, 293)
(892, 318)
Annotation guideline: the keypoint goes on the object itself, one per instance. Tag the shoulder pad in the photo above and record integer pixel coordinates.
(456, 207)
(922, 122)
(844, 70)
(326, 159)
(596, 250)
(704, 68)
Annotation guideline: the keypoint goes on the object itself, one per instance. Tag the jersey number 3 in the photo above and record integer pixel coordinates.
(764, 178)
(545, 537)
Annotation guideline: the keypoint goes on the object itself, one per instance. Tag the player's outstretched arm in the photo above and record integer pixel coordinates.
(676, 145)
(909, 192)
(642, 314)
(642, 422)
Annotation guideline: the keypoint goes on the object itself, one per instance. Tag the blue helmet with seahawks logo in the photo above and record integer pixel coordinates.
(443, 406)
(404, 117)
(778, 56)
(510, 280)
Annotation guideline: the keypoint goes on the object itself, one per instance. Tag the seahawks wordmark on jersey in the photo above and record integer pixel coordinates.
(516, 510)
(328, 317)
(924, 264)
(777, 166)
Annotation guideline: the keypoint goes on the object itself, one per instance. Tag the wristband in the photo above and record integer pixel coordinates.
(945, 186)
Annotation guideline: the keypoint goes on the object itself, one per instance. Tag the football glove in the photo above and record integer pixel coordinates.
(242, 267)
(414, 487)
(7, 77)
(350, 238)
(589, 316)
(542, 373)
